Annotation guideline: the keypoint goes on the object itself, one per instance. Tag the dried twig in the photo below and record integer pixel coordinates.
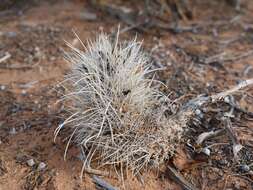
(202, 100)
(175, 175)
(236, 144)
(15, 66)
(5, 57)
(206, 135)
(131, 27)
(101, 183)
(223, 94)
(96, 172)
(225, 57)
(234, 106)
(87, 168)
(177, 29)
(29, 84)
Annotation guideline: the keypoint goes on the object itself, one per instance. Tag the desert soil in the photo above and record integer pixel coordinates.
(32, 36)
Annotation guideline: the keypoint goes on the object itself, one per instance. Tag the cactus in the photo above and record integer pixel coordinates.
(116, 108)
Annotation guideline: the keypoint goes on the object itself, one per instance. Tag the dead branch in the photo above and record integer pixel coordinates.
(207, 135)
(234, 106)
(175, 175)
(15, 66)
(96, 172)
(86, 168)
(201, 100)
(5, 57)
(236, 144)
(240, 86)
(101, 183)
(97, 180)
(225, 57)
(28, 85)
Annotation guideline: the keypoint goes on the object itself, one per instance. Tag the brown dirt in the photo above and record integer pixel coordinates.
(30, 111)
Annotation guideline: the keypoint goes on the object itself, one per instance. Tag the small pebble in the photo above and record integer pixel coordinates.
(23, 92)
(41, 166)
(2, 87)
(199, 113)
(30, 162)
(244, 168)
(13, 131)
(227, 99)
(206, 151)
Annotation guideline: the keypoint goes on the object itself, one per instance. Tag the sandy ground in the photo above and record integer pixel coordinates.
(30, 111)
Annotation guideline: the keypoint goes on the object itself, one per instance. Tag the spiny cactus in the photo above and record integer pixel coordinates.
(116, 108)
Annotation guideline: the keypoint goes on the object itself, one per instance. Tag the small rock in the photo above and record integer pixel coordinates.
(41, 166)
(206, 151)
(227, 99)
(244, 168)
(2, 87)
(30, 162)
(199, 113)
(23, 92)
(13, 131)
